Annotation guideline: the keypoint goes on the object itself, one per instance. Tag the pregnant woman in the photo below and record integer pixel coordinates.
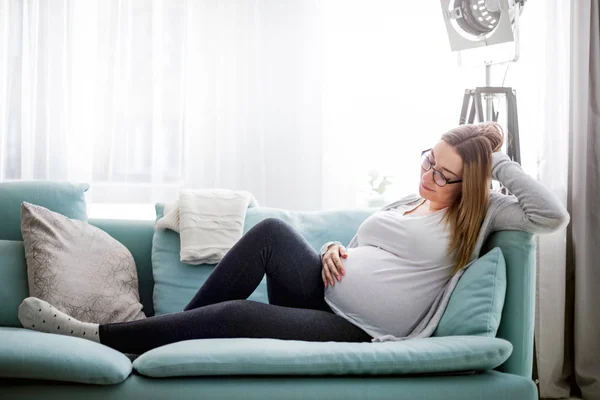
(382, 284)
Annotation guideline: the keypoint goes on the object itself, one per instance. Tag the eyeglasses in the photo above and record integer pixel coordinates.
(438, 177)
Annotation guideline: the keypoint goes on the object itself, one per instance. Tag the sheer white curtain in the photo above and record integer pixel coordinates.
(294, 101)
(142, 98)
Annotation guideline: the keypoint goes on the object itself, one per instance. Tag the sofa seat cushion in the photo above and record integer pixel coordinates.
(36, 355)
(251, 356)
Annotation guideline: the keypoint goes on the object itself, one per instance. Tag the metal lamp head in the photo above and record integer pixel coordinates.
(477, 23)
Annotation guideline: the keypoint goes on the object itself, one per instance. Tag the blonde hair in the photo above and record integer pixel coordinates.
(475, 144)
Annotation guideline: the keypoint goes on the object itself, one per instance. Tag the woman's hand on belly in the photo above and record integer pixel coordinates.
(332, 264)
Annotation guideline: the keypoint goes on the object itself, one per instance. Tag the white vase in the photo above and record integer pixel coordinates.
(376, 200)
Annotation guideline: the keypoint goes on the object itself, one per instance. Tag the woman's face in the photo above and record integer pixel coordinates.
(446, 160)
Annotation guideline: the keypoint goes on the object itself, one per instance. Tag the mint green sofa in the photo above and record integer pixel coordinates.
(510, 380)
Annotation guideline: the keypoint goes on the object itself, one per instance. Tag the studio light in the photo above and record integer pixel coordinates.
(477, 23)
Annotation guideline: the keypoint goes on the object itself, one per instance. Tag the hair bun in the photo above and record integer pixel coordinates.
(494, 133)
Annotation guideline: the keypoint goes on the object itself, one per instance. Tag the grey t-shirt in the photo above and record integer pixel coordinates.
(394, 271)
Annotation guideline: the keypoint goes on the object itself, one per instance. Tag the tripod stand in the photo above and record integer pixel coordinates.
(473, 106)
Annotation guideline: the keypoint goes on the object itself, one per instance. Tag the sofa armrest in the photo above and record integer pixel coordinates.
(518, 315)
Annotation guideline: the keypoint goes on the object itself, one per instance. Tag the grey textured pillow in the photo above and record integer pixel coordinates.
(79, 268)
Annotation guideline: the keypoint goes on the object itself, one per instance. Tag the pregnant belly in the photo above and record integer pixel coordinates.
(378, 293)
(368, 270)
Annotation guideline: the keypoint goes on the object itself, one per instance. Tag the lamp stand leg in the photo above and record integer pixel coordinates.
(473, 106)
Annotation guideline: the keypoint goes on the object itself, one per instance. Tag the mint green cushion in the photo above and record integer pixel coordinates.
(176, 283)
(13, 281)
(250, 356)
(36, 355)
(62, 197)
(475, 307)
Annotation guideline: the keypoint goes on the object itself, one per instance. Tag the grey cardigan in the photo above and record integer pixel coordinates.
(533, 208)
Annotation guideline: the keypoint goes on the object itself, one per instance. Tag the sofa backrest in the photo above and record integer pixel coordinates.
(175, 283)
(137, 237)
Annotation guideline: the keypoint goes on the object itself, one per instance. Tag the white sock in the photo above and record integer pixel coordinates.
(40, 316)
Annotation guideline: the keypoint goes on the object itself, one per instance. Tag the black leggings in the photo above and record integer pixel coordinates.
(220, 309)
